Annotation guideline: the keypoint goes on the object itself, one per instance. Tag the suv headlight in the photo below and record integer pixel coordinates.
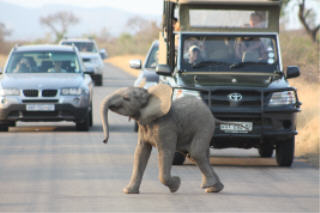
(282, 98)
(71, 91)
(179, 93)
(9, 92)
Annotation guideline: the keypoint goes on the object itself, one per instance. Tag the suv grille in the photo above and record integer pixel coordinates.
(219, 98)
(35, 93)
(31, 92)
(49, 93)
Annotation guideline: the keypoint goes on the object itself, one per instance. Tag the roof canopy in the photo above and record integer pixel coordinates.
(226, 2)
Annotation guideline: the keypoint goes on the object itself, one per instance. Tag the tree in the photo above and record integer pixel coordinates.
(307, 19)
(3, 32)
(59, 23)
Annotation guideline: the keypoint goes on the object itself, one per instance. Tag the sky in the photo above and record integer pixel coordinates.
(136, 6)
(142, 6)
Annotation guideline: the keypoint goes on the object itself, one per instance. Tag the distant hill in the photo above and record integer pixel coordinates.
(25, 25)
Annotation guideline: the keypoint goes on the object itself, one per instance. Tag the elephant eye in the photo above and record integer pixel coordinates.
(126, 98)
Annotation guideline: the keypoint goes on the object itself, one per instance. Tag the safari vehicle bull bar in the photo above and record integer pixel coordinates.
(253, 107)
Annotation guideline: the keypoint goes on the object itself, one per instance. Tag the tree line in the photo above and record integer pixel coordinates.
(140, 32)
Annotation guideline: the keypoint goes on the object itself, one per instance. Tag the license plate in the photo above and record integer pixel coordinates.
(40, 107)
(236, 127)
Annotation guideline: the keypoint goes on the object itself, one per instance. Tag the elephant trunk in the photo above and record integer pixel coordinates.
(104, 117)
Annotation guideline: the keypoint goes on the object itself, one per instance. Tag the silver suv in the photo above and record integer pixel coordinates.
(91, 56)
(45, 83)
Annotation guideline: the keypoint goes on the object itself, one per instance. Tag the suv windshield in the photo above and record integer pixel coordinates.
(232, 53)
(82, 46)
(43, 62)
(152, 61)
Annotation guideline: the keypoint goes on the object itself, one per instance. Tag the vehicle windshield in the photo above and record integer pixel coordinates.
(43, 62)
(82, 46)
(233, 53)
(152, 60)
(227, 18)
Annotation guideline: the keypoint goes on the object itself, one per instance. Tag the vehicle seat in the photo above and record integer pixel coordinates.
(218, 50)
(66, 65)
(45, 65)
(250, 56)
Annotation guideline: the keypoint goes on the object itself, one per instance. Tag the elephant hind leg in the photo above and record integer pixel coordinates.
(200, 154)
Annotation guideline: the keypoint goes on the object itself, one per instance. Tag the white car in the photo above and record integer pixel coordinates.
(91, 56)
(45, 83)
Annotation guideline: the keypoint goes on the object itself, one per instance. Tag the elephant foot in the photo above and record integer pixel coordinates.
(174, 186)
(130, 190)
(215, 188)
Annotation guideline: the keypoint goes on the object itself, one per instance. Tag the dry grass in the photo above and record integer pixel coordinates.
(308, 139)
(308, 120)
(123, 63)
(3, 59)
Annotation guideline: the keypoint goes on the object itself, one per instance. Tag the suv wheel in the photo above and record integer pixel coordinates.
(98, 80)
(4, 127)
(266, 150)
(285, 152)
(136, 127)
(178, 159)
(84, 125)
(90, 116)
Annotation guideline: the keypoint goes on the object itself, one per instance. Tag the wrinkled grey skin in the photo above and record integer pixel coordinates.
(186, 128)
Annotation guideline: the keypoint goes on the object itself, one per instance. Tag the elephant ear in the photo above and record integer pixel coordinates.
(158, 105)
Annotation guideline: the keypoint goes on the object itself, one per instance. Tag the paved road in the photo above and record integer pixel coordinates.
(51, 167)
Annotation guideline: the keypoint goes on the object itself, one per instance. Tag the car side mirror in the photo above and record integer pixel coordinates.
(103, 54)
(292, 72)
(163, 69)
(135, 64)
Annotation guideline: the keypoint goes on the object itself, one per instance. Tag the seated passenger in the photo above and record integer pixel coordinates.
(23, 66)
(194, 55)
(257, 20)
(57, 67)
(250, 46)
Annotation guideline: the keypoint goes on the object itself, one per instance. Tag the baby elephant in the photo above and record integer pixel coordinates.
(185, 125)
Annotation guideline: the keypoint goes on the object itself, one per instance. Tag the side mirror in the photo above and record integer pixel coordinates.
(103, 54)
(163, 69)
(135, 64)
(293, 72)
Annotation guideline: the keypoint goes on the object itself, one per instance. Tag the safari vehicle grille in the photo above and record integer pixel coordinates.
(35, 93)
(220, 98)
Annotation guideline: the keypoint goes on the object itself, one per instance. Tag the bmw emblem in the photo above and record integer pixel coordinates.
(234, 98)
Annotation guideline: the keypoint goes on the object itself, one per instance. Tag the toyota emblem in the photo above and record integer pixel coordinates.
(235, 97)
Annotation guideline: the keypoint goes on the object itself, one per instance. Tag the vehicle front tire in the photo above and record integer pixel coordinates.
(98, 80)
(136, 127)
(84, 125)
(178, 159)
(4, 127)
(285, 152)
(266, 150)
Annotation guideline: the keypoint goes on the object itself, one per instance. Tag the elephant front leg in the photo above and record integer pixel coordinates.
(141, 157)
(165, 162)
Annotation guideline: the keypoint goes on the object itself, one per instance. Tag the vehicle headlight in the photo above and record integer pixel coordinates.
(71, 91)
(9, 92)
(282, 98)
(179, 93)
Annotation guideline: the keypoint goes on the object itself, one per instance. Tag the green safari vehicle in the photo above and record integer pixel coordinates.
(227, 53)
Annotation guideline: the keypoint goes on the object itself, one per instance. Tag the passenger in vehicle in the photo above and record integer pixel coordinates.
(194, 55)
(23, 66)
(257, 20)
(57, 67)
(250, 49)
